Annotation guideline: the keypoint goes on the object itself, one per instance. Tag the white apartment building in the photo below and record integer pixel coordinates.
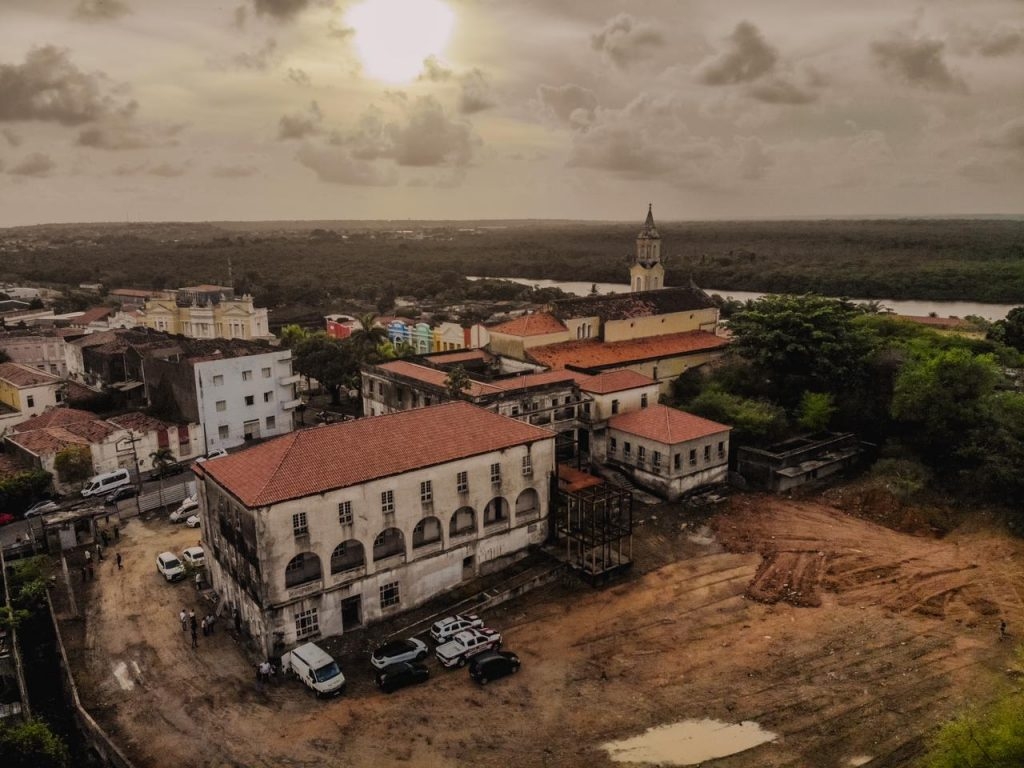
(333, 527)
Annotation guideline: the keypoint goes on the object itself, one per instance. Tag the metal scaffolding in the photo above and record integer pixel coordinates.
(597, 523)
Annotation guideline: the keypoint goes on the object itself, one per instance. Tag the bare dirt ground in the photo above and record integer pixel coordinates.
(848, 640)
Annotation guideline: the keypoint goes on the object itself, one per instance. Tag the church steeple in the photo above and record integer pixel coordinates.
(647, 272)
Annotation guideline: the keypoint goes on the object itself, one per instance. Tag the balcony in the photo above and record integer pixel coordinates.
(388, 562)
(309, 588)
(427, 549)
(349, 575)
(288, 405)
(285, 381)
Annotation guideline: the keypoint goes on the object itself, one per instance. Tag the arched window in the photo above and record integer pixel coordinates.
(389, 542)
(463, 522)
(347, 556)
(528, 504)
(301, 569)
(427, 531)
(496, 511)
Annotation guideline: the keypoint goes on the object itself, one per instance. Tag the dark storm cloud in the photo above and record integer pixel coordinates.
(624, 40)
(37, 164)
(280, 9)
(101, 10)
(299, 125)
(336, 165)
(992, 42)
(917, 61)
(47, 86)
(429, 137)
(745, 57)
(476, 95)
(570, 103)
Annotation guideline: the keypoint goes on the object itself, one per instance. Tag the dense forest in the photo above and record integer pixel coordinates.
(323, 264)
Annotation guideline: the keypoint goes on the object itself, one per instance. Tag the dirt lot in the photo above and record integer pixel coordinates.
(859, 641)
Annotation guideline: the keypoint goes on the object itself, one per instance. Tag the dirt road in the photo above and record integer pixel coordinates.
(860, 641)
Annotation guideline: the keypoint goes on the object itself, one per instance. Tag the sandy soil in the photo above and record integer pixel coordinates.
(847, 639)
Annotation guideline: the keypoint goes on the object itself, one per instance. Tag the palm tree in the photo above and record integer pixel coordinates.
(368, 336)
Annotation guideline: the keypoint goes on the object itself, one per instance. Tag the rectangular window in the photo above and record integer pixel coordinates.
(527, 466)
(246, 375)
(223, 431)
(345, 513)
(268, 397)
(641, 454)
(426, 492)
(307, 624)
(222, 405)
(266, 373)
(643, 400)
(677, 461)
(387, 502)
(389, 595)
(656, 458)
(615, 406)
(31, 401)
(707, 453)
(627, 448)
(271, 422)
(250, 400)
(693, 457)
(462, 482)
(721, 450)
(613, 445)
(300, 527)
(218, 380)
(495, 473)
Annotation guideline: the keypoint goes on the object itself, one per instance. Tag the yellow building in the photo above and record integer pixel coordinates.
(206, 312)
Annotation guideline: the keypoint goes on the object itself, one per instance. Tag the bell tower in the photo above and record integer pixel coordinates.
(647, 273)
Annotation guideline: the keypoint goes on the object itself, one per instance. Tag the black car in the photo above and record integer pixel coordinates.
(395, 676)
(168, 470)
(490, 665)
(124, 492)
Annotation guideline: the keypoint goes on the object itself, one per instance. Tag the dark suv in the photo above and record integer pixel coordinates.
(167, 470)
(490, 665)
(395, 676)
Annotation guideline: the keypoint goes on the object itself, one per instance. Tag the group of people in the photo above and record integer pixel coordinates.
(190, 622)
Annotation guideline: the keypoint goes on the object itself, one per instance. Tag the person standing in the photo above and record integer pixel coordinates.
(183, 617)
(195, 638)
(119, 561)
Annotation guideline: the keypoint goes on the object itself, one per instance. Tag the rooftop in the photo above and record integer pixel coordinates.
(25, 376)
(434, 377)
(619, 306)
(593, 353)
(535, 324)
(325, 458)
(614, 381)
(55, 417)
(666, 425)
(92, 315)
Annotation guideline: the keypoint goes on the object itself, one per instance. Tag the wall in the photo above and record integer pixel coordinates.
(667, 480)
(36, 351)
(658, 325)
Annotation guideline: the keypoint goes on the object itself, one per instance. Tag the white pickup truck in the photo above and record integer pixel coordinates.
(466, 644)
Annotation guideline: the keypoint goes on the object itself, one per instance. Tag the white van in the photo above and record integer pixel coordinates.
(315, 667)
(106, 482)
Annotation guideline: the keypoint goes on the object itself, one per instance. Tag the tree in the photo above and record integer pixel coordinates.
(993, 738)
(753, 421)
(32, 745)
(292, 334)
(1009, 331)
(74, 464)
(22, 488)
(815, 411)
(367, 337)
(330, 361)
(457, 382)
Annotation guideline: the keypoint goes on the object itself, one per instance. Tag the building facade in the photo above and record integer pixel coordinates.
(206, 312)
(26, 392)
(333, 527)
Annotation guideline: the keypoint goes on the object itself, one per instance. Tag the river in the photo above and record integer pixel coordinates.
(916, 308)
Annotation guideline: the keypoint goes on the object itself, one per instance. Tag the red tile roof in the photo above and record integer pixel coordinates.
(614, 381)
(25, 376)
(536, 324)
(665, 425)
(535, 380)
(434, 377)
(592, 353)
(55, 417)
(140, 422)
(570, 479)
(92, 315)
(45, 442)
(325, 458)
(461, 356)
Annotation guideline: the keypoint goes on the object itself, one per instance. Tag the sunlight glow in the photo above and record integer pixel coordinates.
(393, 37)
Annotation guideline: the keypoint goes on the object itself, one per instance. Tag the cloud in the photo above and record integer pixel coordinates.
(299, 76)
(778, 90)
(37, 164)
(624, 40)
(167, 170)
(280, 9)
(240, 17)
(118, 133)
(745, 57)
(917, 61)
(476, 93)
(570, 103)
(49, 87)
(996, 41)
(754, 161)
(259, 59)
(233, 171)
(13, 138)
(299, 125)
(1008, 136)
(337, 166)
(434, 71)
(101, 10)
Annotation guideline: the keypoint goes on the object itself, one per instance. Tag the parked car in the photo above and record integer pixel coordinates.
(184, 510)
(5, 518)
(410, 649)
(192, 521)
(315, 667)
(194, 557)
(490, 665)
(466, 644)
(41, 508)
(395, 676)
(170, 566)
(443, 630)
(125, 492)
(212, 455)
(168, 470)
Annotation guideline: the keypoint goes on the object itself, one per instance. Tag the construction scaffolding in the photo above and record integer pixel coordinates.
(597, 523)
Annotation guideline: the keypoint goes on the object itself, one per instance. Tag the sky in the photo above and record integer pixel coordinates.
(198, 110)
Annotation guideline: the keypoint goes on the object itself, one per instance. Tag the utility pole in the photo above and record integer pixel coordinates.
(131, 440)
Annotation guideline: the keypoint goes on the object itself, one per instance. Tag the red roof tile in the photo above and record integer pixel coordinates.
(45, 442)
(140, 422)
(593, 353)
(325, 458)
(535, 380)
(92, 315)
(536, 324)
(461, 356)
(55, 417)
(665, 425)
(570, 479)
(614, 381)
(434, 377)
(25, 376)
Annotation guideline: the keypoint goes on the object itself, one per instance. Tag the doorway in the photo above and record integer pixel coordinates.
(351, 613)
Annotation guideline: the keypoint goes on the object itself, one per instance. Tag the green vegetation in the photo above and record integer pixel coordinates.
(73, 464)
(32, 745)
(989, 738)
(19, 490)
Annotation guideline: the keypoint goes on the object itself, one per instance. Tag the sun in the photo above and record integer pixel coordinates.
(393, 37)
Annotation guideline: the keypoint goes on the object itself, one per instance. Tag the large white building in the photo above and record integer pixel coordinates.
(332, 527)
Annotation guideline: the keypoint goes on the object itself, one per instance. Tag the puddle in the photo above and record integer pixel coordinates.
(689, 742)
(124, 678)
(860, 760)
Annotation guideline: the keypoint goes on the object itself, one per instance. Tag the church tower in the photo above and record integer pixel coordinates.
(647, 273)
